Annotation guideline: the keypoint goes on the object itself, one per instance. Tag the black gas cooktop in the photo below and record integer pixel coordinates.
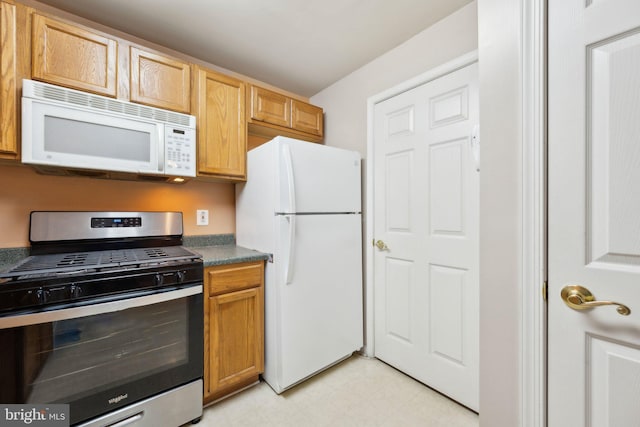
(93, 261)
(78, 260)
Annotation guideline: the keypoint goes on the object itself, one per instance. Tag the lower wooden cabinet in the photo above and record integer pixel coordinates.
(234, 328)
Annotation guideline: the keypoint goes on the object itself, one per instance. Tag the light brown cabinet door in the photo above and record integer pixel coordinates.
(222, 128)
(233, 327)
(160, 81)
(270, 107)
(236, 328)
(9, 95)
(73, 56)
(306, 117)
(273, 114)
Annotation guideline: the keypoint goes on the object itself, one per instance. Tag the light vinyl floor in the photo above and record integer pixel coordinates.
(356, 392)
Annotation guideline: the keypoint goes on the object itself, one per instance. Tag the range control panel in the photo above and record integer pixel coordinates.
(116, 222)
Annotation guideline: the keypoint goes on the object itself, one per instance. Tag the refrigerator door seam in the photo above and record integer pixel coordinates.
(316, 213)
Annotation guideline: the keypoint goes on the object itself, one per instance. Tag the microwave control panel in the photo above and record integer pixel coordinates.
(180, 151)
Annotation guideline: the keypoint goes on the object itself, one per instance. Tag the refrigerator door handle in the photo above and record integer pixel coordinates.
(291, 220)
(291, 188)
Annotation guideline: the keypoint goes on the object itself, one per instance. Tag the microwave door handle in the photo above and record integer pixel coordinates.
(161, 149)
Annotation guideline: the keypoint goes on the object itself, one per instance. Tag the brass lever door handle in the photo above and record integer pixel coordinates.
(580, 298)
(382, 245)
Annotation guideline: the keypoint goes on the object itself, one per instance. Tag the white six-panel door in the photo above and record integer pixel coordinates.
(594, 211)
(426, 218)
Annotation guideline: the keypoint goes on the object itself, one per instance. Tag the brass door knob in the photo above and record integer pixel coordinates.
(382, 245)
(580, 298)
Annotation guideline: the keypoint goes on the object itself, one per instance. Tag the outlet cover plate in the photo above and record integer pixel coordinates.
(202, 217)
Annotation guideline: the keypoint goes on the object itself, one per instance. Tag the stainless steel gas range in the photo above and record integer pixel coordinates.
(106, 315)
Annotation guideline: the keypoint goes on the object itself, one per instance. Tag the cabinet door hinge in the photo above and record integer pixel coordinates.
(544, 290)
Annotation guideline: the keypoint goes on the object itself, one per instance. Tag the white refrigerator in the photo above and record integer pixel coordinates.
(301, 203)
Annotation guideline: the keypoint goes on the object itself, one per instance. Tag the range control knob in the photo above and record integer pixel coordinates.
(180, 276)
(75, 291)
(158, 279)
(42, 296)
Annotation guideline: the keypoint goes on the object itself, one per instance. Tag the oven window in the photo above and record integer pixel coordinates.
(90, 361)
(105, 350)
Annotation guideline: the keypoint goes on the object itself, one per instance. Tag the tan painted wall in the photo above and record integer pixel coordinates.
(22, 190)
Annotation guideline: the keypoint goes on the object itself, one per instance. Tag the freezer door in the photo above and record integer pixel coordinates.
(317, 178)
(319, 293)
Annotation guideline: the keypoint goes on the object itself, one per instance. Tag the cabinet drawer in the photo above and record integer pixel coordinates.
(229, 278)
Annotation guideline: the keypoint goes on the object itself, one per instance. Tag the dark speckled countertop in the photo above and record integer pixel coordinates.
(215, 249)
(228, 254)
(221, 249)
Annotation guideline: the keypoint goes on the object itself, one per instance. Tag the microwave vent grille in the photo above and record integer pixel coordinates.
(68, 96)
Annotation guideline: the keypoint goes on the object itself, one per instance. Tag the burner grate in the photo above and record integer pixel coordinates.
(73, 259)
(78, 261)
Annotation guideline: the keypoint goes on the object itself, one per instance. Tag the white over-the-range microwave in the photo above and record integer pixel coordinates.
(65, 131)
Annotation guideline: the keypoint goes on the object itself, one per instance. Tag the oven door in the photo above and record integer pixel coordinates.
(103, 356)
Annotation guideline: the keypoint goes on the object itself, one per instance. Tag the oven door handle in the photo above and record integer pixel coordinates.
(93, 309)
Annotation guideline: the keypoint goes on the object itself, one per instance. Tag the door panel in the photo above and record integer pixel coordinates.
(447, 187)
(613, 172)
(613, 382)
(446, 322)
(426, 212)
(594, 197)
(398, 295)
(399, 172)
(449, 107)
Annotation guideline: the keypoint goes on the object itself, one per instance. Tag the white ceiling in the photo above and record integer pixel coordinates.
(301, 46)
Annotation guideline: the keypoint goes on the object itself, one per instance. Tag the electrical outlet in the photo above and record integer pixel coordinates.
(202, 217)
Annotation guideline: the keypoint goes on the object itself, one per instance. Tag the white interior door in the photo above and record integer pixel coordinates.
(594, 211)
(426, 213)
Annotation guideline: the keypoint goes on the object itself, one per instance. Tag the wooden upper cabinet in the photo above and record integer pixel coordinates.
(273, 114)
(270, 107)
(73, 56)
(9, 98)
(221, 124)
(160, 81)
(306, 117)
